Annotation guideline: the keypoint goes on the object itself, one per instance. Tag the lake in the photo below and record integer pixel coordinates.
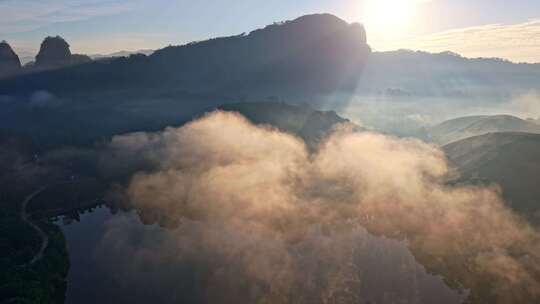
(115, 258)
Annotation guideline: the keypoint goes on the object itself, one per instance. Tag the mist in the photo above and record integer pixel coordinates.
(272, 222)
(526, 105)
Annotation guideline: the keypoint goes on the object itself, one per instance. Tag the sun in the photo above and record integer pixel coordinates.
(389, 16)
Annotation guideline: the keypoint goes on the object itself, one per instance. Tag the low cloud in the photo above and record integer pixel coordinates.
(286, 220)
(43, 100)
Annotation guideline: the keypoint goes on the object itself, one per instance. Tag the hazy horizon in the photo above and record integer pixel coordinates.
(102, 27)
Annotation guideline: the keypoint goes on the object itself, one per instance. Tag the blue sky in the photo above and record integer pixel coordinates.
(104, 26)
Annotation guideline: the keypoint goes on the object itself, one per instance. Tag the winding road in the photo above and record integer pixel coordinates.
(26, 219)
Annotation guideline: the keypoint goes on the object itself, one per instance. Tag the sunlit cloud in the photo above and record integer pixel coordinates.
(517, 42)
(247, 187)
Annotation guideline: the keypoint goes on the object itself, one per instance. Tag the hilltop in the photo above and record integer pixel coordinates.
(511, 160)
(469, 126)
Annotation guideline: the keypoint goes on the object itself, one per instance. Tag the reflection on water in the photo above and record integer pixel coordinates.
(117, 259)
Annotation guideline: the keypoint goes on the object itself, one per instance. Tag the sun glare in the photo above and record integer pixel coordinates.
(389, 16)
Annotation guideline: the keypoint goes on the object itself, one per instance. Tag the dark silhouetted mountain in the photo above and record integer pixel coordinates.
(309, 124)
(463, 127)
(9, 61)
(55, 52)
(511, 160)
(311, 55)
(320, 123)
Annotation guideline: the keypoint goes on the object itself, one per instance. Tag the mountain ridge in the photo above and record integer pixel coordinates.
(469, 126)
(314, 53)
(509, 159)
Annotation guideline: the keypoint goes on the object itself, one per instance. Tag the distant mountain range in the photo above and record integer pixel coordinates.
(405, 74)
(312, 59)
(464, 127)
(118, 54)
(28, 58)
(54, 53)
(311, 55)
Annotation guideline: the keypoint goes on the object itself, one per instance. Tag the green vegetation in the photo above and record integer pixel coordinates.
(21, 174)
(42, 282)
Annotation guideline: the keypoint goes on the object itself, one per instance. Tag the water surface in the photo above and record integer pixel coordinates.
(115, 258)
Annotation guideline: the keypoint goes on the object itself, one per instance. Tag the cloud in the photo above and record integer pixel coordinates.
(517, 42)
(27, 15)
(43, 100)
(255, 196)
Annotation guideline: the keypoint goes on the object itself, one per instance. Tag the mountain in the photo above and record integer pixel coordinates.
(512, 160)
(407, 74)
(55, 52)
(313, 59)
(463, 127)
(311, 55)
(121, 54)
(316, 53)
(79, 104)
(9, 61)
(402, 92)
(309, 124)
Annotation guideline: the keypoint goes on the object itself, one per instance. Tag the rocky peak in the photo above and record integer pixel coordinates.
(315, 26)
(9, 61)
(53, 51)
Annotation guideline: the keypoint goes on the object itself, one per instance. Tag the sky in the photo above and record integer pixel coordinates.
(473, 28)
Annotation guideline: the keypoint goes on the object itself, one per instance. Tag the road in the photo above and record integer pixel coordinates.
(27, 220)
